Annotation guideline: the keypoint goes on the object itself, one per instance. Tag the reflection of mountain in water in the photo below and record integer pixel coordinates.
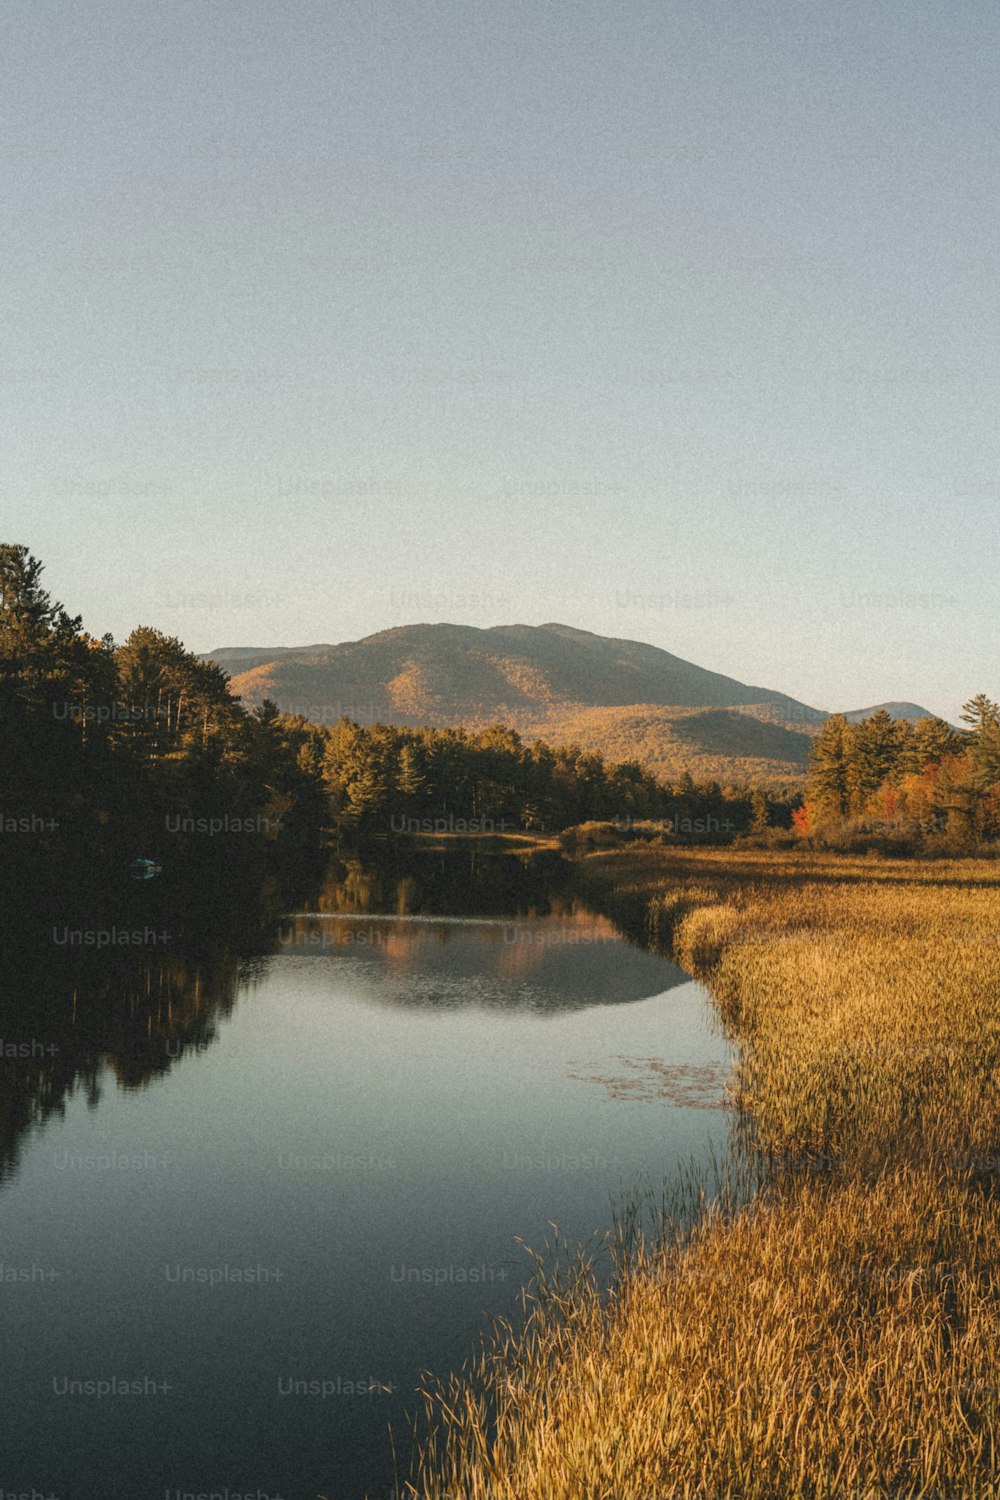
(77, 1019)
(546, 964)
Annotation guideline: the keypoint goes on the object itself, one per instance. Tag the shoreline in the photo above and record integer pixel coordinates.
(449, 838)
(854, 1303)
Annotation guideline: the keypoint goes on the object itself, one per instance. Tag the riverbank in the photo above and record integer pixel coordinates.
(509, 843)
(838, 1335)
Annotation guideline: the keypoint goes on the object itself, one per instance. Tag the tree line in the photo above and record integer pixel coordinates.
(104, 747)
(918, 781)
(388, 779)
(127, 748)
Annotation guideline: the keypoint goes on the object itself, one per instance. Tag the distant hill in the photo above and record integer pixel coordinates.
(233, 659)
(449, 673)
(912, 712)
(628, 699)
(712, 744)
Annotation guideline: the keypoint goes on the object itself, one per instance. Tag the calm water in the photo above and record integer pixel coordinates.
(426, 1064)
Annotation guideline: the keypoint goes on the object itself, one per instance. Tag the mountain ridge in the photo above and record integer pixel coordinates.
(897, 709)
(584, 663)
(628, 698)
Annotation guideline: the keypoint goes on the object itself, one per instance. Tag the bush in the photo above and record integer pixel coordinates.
(606, 835)
(954, 846)
(594, 835)
(769, 838)
(870, 836)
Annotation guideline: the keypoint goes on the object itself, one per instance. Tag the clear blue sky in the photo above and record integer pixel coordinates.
(675, 321)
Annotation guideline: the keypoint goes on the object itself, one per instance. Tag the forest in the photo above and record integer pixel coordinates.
(112, 751)
(104, 747)
(925, 785)
(140, 748)
(383, 778)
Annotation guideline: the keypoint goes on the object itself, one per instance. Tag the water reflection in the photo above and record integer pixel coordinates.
(80, 1010)
(372, 1096)
(115, 986)
(437, 882)
(543, 964)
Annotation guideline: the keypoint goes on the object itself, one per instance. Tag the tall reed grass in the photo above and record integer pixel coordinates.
(837, 1337)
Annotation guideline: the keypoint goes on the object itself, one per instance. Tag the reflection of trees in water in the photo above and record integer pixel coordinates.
(466, 881)
(68, 1028)
(504, 960)
(75, 1019)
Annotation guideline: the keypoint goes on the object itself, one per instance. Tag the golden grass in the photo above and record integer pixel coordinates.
(867, 1014)
(823, 1344)
(838, 1336)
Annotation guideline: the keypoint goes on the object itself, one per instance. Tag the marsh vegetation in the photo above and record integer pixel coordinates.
(835, 1334)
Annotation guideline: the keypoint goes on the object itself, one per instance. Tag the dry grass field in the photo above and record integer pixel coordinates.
(836, 1337)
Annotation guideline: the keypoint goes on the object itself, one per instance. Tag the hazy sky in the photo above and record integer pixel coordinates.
(675, 321)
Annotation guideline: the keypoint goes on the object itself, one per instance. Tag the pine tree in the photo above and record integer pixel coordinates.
(980, 713)
(875, 756)
(760, 812)
(928, 741)
(983, 717)
(411, 779)
(829, 769)
(42, 648)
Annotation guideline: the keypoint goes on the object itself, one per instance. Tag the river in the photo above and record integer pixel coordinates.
(253, 1190)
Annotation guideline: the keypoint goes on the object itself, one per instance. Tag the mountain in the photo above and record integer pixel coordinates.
(912, 712)
(233, 659)
(626, 698)
(454, 673)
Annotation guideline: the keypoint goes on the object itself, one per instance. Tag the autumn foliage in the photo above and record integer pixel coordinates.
(925, 780)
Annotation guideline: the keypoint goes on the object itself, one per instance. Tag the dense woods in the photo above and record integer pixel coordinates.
(127, 748)
(908, 783)
(397, 780)
(114, 750)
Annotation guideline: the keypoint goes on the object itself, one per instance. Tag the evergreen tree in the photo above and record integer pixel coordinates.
(983, 736)
(829, 769)
(928, 741)
(411, 779)
(874, 756)
(980, 713)
(45, 655)
(760, 812)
